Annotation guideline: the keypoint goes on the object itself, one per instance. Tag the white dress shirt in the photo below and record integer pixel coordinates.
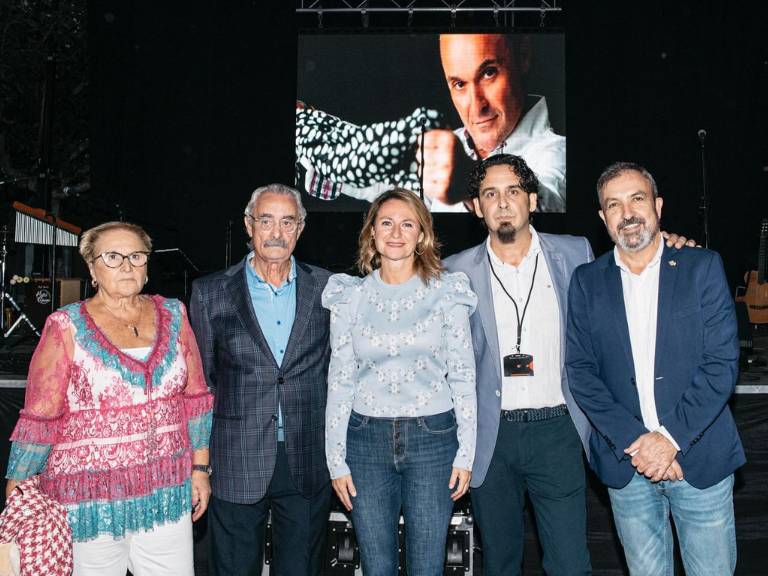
(540, 334)
(641, 303)
(542, 149)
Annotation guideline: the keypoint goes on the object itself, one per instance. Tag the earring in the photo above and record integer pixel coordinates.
(146, 279)
(94, 283)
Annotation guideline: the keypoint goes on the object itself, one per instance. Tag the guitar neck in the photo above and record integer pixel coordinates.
(762, 254)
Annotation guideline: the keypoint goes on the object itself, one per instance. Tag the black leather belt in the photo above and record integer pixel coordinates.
(534, 414)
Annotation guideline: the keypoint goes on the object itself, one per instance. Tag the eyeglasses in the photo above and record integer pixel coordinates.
(267, 223)
(115, 259)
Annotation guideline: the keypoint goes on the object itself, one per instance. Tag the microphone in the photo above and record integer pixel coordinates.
(702, 134)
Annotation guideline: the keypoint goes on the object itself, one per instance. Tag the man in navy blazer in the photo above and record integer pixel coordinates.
(264, 340)
(530, 430)
(652, 355)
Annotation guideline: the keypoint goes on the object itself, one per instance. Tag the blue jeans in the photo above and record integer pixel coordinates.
(703, 520)
(402, 463)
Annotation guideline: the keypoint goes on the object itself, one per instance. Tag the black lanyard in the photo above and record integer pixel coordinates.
(527, 300)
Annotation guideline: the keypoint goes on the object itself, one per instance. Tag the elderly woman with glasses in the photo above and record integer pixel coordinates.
(117, 417)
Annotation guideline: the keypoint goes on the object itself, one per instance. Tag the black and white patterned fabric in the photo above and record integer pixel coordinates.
(332, 153)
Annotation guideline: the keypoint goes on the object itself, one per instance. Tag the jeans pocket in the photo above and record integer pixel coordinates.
(357, 421)
(439, 423)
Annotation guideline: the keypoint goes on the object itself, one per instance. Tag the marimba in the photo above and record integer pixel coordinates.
(35, 226)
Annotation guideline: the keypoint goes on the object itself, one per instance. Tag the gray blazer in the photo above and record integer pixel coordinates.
(562, 254)
(246, 382)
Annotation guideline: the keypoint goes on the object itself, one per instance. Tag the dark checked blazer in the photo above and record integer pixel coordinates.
(247, 382)
(697, 356)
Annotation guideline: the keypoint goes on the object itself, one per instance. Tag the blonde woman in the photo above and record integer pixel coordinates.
(400, 419)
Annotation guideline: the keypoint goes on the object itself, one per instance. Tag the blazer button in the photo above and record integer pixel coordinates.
(280, 380)
(498, 393)
(274, 417)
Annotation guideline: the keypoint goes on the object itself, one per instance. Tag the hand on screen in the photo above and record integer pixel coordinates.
(440, 147)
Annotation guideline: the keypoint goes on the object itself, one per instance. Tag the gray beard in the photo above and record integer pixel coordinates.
(638, 241)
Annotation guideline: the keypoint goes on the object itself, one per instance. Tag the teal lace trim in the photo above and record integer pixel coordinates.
(200, 430)
(164, 505)
(94, 343)
(174, 307)
(26, 459)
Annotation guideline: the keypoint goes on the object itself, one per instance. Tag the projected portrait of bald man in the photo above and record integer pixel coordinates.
(487, 109)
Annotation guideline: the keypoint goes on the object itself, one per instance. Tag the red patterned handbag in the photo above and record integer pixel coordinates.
(38, 525)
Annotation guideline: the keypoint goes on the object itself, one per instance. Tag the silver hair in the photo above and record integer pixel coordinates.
(281, 189)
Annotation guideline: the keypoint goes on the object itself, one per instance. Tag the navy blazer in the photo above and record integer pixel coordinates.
(247, 382)
(562, 255)
(697, 352)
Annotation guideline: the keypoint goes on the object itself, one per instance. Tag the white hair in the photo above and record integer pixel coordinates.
(281, 189)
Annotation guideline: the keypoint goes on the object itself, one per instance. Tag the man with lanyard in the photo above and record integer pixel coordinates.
(530, 431)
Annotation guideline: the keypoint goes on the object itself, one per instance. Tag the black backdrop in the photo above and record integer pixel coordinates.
(192, 108)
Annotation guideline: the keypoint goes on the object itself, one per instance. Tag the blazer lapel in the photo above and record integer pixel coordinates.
(480, 277)
(241, 301)
(305, 297)
(667, 280)
(556, 267)
(616, 300)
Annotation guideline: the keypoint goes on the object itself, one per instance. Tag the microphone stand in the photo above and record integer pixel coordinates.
(187, 260)
(704, 200)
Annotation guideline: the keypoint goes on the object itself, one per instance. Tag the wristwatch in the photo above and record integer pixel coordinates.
(202, 468)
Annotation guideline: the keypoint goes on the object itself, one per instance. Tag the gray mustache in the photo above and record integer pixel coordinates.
(630, 222)
(275, 243)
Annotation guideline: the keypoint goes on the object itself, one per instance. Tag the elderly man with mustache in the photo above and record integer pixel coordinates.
(264, 340)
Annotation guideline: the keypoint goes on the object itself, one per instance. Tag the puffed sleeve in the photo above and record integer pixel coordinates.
(198, 401)
(459, 303)
(45, 400)
(340, 297)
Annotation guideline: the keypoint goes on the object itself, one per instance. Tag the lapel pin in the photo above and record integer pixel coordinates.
(672, 263)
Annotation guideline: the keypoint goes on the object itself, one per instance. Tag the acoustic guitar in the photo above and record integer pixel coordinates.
(756, 294)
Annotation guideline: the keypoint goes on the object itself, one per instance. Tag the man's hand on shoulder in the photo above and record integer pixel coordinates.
(678, 241)
(652, 454)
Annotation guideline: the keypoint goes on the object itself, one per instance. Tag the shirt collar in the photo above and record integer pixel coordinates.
(533, 250)
(653, 263)
(531, 125)
(260, 282)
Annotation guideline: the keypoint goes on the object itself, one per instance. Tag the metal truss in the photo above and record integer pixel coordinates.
(434, 6)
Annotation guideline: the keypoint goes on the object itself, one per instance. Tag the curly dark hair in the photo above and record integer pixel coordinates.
(528, 180)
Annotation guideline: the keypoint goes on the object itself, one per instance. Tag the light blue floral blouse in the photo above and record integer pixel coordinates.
(400, 351)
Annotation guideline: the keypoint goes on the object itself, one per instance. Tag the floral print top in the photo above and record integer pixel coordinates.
(112, 435)
(399, 351)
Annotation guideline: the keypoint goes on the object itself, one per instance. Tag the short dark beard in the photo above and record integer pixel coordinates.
(506, 233)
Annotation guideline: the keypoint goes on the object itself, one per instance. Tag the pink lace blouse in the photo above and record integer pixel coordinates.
(112, 435)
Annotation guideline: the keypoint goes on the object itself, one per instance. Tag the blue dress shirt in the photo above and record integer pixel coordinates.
(275, 310)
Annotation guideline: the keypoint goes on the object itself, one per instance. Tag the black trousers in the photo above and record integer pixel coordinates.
(545, 460)
(298, 529)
